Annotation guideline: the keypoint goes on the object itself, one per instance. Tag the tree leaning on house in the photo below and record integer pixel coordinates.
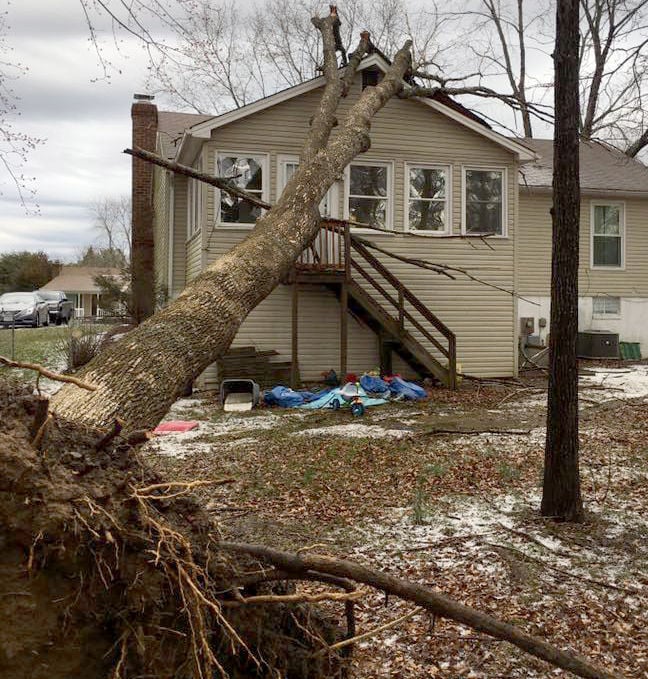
(183, 336)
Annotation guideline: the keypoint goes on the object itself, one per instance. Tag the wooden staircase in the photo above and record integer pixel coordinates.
(402, 322)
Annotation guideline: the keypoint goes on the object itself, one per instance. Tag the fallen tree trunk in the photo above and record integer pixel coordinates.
(435, 602)
(139, 377)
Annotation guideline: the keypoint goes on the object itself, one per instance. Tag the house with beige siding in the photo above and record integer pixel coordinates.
(441, 186)
(613, 266)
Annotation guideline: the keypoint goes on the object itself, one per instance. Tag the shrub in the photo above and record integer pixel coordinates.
(79, 345)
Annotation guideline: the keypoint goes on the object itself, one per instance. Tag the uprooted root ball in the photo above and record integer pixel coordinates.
(101, 576)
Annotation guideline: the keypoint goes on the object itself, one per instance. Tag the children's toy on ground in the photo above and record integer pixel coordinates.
(350, 395)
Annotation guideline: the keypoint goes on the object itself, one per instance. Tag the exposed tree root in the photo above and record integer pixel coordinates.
(107, 571)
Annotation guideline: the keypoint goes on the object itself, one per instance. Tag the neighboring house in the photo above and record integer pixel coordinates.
(613, 271)
(78, 284)
(437, 178)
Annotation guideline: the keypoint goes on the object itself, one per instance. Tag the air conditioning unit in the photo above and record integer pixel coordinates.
(597, 344)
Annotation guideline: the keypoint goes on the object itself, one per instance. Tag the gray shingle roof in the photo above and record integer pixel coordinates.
(602, 168)
(171, 125)
(74, 278)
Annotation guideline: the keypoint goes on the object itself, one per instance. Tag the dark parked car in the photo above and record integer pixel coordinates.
(61, 310)
(23, 308)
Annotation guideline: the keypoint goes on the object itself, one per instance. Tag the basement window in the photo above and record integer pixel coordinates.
(248, 172)
(606, 307)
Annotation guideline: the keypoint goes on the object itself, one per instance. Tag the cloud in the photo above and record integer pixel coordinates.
(86, 126)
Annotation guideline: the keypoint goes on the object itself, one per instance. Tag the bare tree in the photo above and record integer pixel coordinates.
(561, 496)
(14, 144)
(210, 56)
(498, 36)
(613, 71)
(112, 221)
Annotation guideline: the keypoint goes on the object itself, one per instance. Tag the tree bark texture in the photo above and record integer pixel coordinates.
(561, 496)
(139, 377)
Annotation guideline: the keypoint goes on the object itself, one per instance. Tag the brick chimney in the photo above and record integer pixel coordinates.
(145, 123)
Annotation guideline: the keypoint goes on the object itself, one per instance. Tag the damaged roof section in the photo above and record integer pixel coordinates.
(171, 127)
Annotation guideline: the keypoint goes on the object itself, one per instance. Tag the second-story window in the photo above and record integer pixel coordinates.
(287, 167)
(248, 172)
(484, 204)
(607, 235)
(428, 199)
(369, 188)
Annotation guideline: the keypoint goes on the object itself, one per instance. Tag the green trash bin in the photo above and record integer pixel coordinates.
(630, 351)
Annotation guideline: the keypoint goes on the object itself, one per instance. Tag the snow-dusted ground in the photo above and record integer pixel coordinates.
(613, 383)
(355, 430)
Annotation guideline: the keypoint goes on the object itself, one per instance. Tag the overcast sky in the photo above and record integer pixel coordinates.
(84, 119)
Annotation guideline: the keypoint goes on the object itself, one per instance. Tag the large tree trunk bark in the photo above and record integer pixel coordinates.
(138, 378)
(561, 496)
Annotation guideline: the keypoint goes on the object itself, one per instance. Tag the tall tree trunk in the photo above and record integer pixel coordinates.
(561, 496)
(139, 377)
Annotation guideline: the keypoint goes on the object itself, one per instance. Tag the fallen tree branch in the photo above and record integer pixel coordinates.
(439, 268)
(46, 372)
(219, 182)
(185, 487)
(294, 598)
(562, 571)
(436, 602)
(435, 431)
(372, 632)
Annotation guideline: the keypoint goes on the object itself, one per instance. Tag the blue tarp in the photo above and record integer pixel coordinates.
(373, 384)
(406, 390)
(396, 388)
(326, 400)
(289, 398)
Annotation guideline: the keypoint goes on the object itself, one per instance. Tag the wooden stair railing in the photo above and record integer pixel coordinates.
(399, 299)
(334, 250)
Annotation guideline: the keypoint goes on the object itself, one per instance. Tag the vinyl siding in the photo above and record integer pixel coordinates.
(194, 256)
(405, 131)
(534, 249)
(161, 226)
(179, 236)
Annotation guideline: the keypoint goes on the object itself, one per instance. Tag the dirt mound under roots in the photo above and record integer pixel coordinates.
(104, 574)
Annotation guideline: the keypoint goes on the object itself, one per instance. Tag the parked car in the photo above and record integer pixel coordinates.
(23, 308)
(61, 309)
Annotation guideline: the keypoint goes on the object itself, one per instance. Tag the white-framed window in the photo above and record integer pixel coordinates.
(428, 190)
(368, 193)
(248, 171)
(194, 203)
(606, 307)
(286, 166)
(608, 235)
(484, 201)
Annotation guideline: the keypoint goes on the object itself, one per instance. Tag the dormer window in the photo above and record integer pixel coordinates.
(371, 77)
